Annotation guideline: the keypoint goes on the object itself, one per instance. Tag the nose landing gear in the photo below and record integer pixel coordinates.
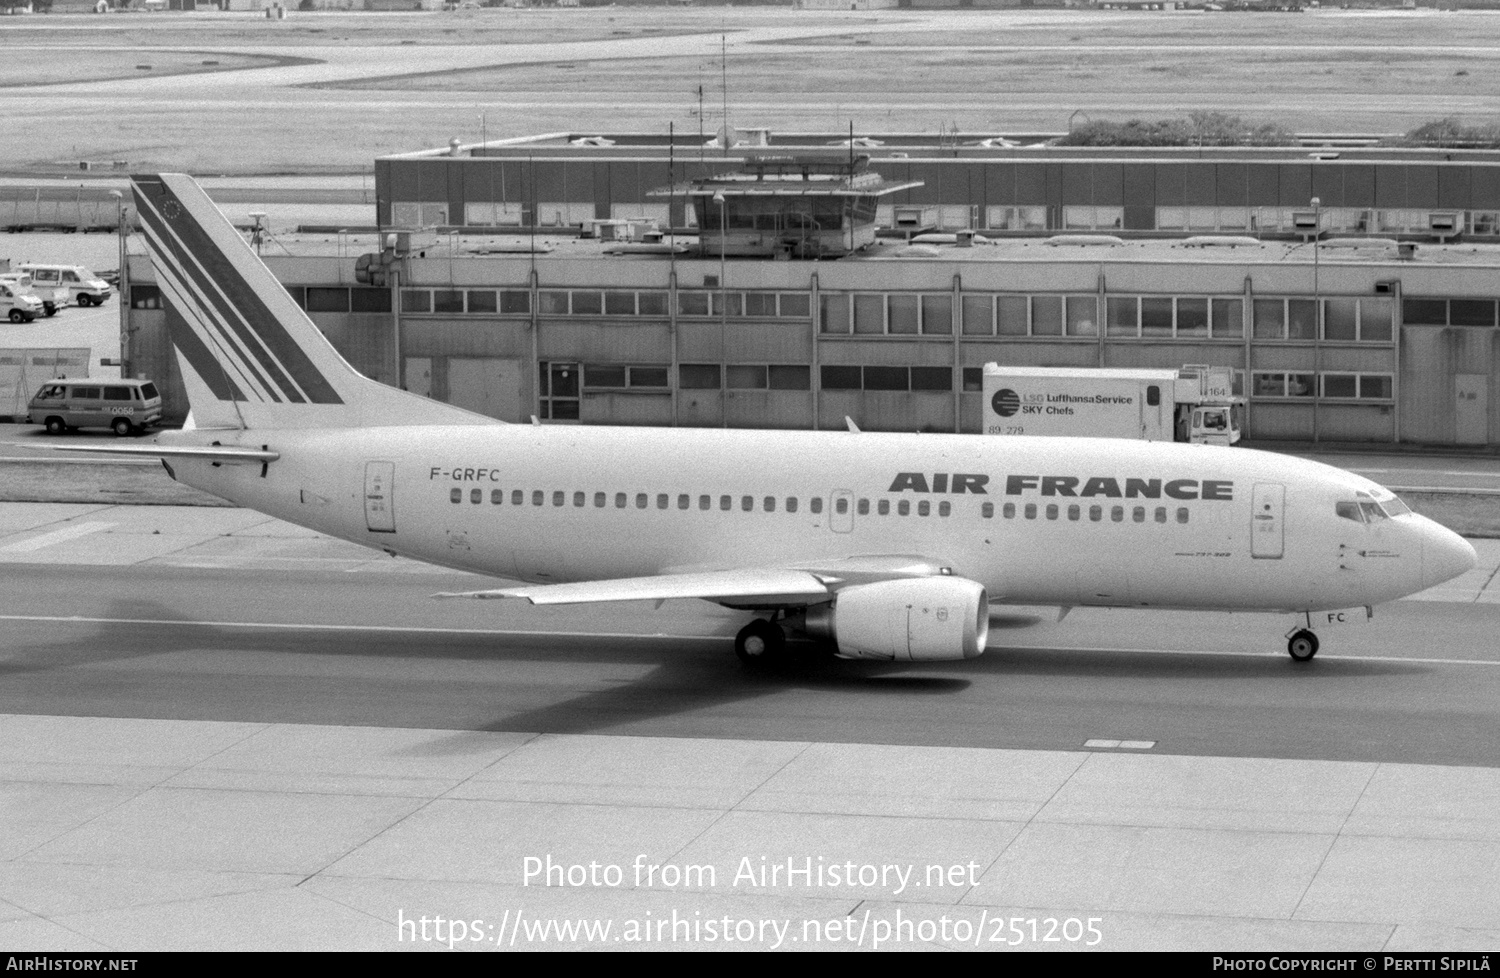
(1302, 644)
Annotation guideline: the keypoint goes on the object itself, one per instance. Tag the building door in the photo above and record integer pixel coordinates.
(418, 376)
(1266, 524)
(558, 385)
(380, 503)
(1472, 408)
(486, 385)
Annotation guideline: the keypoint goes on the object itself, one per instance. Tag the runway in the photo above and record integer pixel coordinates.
(1416, 685)
(219, 731)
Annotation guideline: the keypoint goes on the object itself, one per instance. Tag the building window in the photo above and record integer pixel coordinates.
(327, 300)
(979, 315)
(790, 377)
(369, 300)
(698, 376)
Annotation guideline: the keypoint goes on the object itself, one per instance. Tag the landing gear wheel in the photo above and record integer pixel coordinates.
(760, 644)
(56, 426)
(122, 427)
(1302, 646)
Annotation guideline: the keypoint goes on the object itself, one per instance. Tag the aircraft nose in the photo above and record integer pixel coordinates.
(1445, 555)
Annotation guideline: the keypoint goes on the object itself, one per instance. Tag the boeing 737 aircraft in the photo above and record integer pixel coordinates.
(884, 546)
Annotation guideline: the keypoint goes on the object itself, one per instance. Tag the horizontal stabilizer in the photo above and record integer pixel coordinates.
(770, 586)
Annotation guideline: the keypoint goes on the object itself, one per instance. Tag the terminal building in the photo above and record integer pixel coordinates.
(810, 281)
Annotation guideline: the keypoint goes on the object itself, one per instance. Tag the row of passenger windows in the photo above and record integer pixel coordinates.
(790, 504)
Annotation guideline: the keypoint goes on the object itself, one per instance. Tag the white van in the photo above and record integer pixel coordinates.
(17, 305)
(85, 288)
(127, 406)
(52, 300)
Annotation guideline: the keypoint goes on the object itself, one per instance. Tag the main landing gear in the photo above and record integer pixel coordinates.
(1302, 645)
(760, 644)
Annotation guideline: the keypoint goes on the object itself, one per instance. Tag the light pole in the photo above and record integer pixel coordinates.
(723, 311)
(1317, 206)
(124, 284)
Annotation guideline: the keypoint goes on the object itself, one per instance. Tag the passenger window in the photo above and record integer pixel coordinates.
(559, 497)
(903, 507)
(1051, 511)
(598, 500)
(537, 497)
(705, 502)
(641, 500)
(1161, 514)
(476, 495)
(455, 495)
(579, 499)
(841, 505)
(864, 507)
(944, 508)
(815, 504)
(1182, 514)
(497, 496)
(725, 503)
(883, 507)
(791, 504)
(1009, 511)
(1349, 511)
(987, 511)
(1139, 514)
(923, 508)
(619, 500)
(662, 499)
(747, 503)
(770, 504)
(1074, 512)
(1117, 514)
(684, 501)
(1096, 513)
(517, 497)
(1031, 511)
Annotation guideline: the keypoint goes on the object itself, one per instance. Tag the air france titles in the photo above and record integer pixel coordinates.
(1074, 486)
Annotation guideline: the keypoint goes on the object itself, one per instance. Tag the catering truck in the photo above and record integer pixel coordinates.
(1194, 404)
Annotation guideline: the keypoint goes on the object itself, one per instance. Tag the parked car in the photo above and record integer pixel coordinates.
(127, 406)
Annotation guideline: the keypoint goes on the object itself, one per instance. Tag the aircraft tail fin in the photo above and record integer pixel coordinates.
(250, 357)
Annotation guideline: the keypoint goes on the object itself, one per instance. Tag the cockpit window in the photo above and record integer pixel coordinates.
(1370, 507)
(1348, 510)
(1394, 507)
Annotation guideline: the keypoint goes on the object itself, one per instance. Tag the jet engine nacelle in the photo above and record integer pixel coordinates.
(918, 620)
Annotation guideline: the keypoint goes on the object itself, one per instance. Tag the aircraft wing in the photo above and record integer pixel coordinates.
(747, 587)
(754, 586)
(227, 454)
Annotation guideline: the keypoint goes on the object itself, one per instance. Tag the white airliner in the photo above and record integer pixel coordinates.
(885, 546)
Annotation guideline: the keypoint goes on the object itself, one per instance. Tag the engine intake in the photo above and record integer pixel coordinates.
(924, 619)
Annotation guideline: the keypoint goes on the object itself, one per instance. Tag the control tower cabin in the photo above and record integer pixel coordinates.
(788, 206)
